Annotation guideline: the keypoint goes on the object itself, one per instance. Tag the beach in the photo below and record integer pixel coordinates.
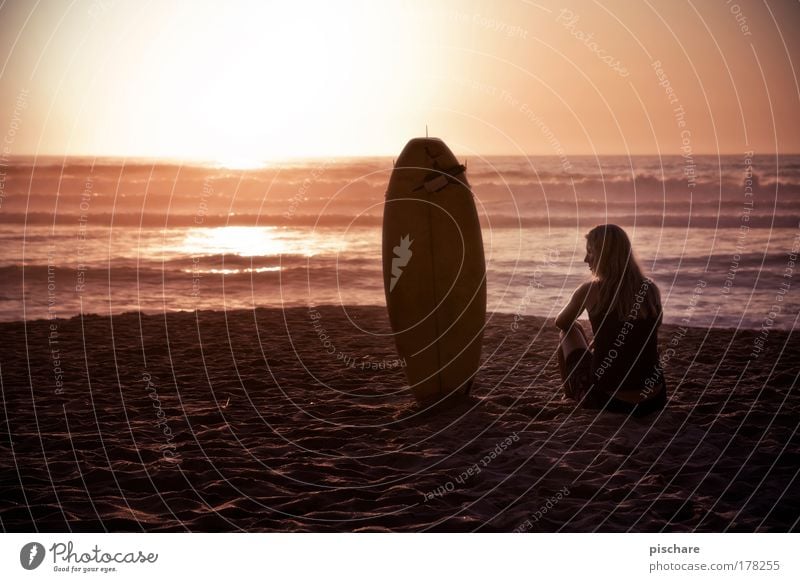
(299, 420)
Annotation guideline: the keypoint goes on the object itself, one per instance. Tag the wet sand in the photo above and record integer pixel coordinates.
(273, 420)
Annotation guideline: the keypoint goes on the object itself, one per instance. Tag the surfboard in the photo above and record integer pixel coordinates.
(434, 271)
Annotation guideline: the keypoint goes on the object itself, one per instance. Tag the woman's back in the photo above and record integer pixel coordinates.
(625, 359)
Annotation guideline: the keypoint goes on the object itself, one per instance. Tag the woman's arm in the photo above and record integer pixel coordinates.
(574, 308)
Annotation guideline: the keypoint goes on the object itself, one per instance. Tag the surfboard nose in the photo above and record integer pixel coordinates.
(423, 141)
(423, 151)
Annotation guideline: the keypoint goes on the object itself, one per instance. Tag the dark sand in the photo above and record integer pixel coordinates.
(270, 434)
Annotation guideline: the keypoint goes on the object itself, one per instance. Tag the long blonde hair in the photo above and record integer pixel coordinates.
(623, 290)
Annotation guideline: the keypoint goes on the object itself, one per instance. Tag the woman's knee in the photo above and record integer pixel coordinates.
(572, 340)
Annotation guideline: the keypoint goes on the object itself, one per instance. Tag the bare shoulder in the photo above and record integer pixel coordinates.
(574, 307)
(588, 291)
(580, 294)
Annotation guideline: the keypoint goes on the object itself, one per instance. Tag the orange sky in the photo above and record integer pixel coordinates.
(241, 82)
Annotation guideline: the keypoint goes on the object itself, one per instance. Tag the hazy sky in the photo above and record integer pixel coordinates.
(238, 81)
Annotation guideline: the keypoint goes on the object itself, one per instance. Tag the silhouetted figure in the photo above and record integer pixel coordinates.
(620, 372)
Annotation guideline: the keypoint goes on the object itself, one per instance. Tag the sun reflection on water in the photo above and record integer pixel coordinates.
(259, 241)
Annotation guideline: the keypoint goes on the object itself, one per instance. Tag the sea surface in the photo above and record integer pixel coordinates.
(719, 235)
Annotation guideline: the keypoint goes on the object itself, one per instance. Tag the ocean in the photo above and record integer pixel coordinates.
(719, 235)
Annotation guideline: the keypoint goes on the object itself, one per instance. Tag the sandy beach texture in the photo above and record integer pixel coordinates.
(298, 420)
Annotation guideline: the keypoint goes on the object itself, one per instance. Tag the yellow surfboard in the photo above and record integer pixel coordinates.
(434, 271)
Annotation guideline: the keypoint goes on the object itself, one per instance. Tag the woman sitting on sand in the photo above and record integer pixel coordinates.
(622, 373)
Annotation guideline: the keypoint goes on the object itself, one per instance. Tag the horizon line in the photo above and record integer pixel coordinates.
(275, 161)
